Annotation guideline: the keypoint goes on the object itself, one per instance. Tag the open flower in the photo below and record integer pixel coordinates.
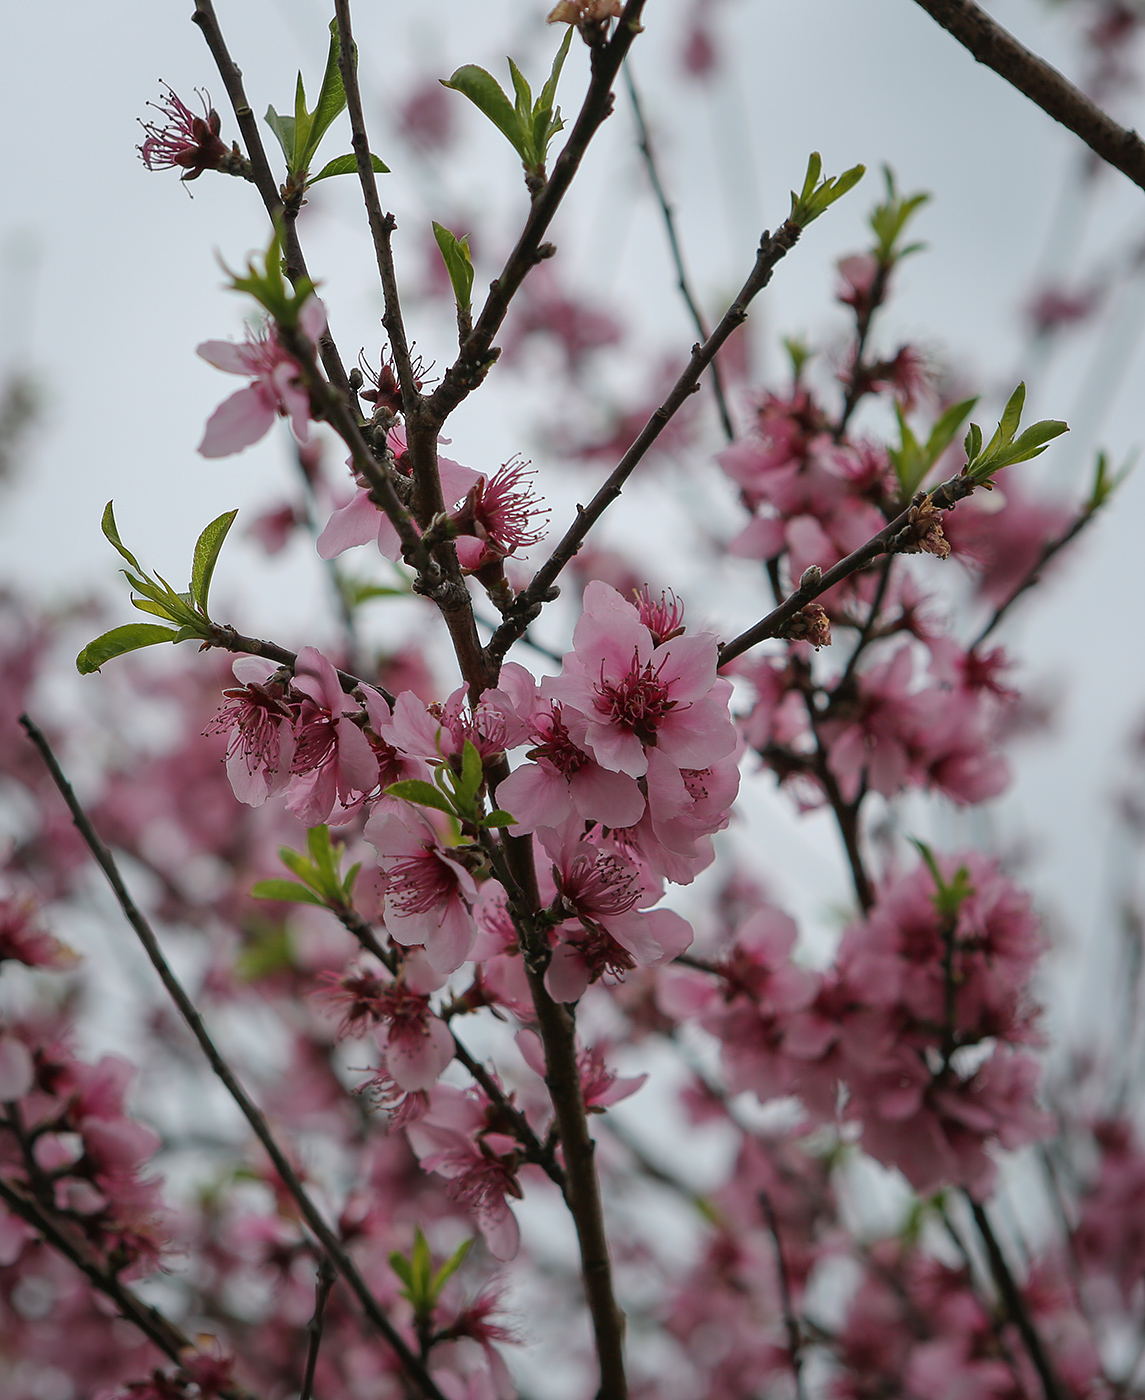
(184, 140)
(275, 388)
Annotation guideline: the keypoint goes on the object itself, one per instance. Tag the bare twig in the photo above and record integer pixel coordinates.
(323, 1284)
(791, 1322)
(227, 639)
(290, 1178)
(771, 249)
(889, 539)
(1014, 1303)
(669, 217)
(1042, 84)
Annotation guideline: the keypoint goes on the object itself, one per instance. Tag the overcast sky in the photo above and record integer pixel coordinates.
(109, 279)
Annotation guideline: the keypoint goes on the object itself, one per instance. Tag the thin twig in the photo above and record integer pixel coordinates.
(159, 1330)
(290, 1179)
(227, 639)
(1014, 1303)
(669, 217)
(477, 353)
(889, 539)
(529, 602)
(1042, 84)
(1048, 551)
(323, 1284)
(791, 1322)
(863, 321)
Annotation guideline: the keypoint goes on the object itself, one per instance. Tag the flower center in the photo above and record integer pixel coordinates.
(637, 702)
(418, 884)
(558, 748)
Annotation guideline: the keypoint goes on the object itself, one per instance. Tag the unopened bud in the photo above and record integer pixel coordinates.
(810, 624)
(811, 577)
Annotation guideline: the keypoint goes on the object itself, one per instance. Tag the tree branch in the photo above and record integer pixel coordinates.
(290, 1179)
(529, 602)
(227, 639)
(476, 356)
(1041, 83)
(323, 1284)
(668, 214)
(264, 181)
(889, 540)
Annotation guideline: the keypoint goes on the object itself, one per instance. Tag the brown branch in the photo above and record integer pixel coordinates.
(557, 1025)
(667, 213)
(790, 1321)
(160, 1331)
(1041, 83)
(263, 178)
(227, 639)
(1014, 1303)
(529, 602)
(889, 540)
(323, 1284)
(290, 1179)
(477, 353)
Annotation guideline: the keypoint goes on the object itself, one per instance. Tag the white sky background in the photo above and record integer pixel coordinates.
(109, 280)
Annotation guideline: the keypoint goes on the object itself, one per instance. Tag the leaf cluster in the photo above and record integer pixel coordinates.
(818, 195)
(423, 1283)
(1004, 449)
(913, 460)
(187, 611)
(949, 895)
(529, 126)
(268, 285)
(318, 874)
(301, 135)
(458, 794)
(889, 220)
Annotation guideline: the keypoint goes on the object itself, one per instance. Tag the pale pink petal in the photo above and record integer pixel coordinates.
(236, 423)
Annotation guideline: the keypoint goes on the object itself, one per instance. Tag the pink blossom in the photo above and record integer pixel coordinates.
(183, 140)
(275, 389)
(498, 517)
(22, 940)
(333, 762)
(428, 893)
(361, 521)
(636, 696)
(260, 746)
(454, 1140)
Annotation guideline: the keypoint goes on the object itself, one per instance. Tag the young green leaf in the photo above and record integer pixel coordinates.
(817, 196)
(111, 534)
(456, 1259)
(286, 892)
(498, 818)
(332, 96)
(484, 91)
(346, 165)
(206, 554)
(422, 793)
(119, 641)
(283, 128)
(549, 91)
(458, 263)
(889, 219)
(472, 776)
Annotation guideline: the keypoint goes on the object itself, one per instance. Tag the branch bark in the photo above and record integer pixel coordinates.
(1038, 80)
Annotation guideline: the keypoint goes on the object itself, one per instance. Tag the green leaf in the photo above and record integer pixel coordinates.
(332, 97)
(523, 92)
(456, 1259)
(818, 196)
(269, 952)
(458, 263)
(283, 128)
(346, 165)
(972, 443)
(301, 129)
(942, 434)
(323, 854)
(472, 775)
(889, 219)
(155, 609)
(111, 533)
(485, 93)
(206, 554)
(296, 861)
(498, 818)
(1012, 415)
(286, 892)
(549, 91)
(422, 793)
(400, 1265)
(119, 641)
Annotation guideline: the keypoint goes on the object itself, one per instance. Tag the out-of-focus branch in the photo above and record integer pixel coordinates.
(669, 216)
(1041, 83)
(333, 1247)
(772, 248)
(322, 1287)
